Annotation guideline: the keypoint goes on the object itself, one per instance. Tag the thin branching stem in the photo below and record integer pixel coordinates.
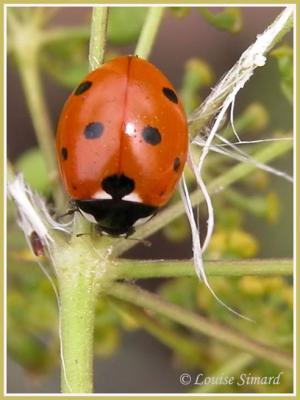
(180, 342)
(58, 34)
(198, 323)
(137, 269)
(27, 57)
(98, 36)
(149, 31)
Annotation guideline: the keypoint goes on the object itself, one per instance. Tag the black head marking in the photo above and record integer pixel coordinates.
(170, 94)
(116, 217)
(151, 135)
(64, 153)
(176, 164)
(93, 130)
(82, 88)
(118, 186)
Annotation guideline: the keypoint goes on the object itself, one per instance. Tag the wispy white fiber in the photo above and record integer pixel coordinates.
(222, 99)
(197, 250)
(33, 215)
(242, 156)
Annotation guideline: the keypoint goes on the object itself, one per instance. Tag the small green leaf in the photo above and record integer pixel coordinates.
(284, 56)
(125, 24)
(33, 166)
(66, 60)
(229, 19)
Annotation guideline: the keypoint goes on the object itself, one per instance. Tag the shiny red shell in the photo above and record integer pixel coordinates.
(123, 119)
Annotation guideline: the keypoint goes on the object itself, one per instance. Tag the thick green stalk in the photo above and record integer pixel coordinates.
(77, 310)
(149, 31)
(83, 273)
(201, 324)
(136, 269)
(98, 36)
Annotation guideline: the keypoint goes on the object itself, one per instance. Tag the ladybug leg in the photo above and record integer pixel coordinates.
(69, 212)
(82, 234)
(129, 233)
(146, 243)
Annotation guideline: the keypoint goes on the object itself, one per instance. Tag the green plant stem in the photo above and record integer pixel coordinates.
(229, 336)
(31, 81)
(149, 31)
(40, 118)
(61, 33)
(77, 309)
(98, 36)
(233, 175)
(26, 48)
(137, 269)
(83, 273)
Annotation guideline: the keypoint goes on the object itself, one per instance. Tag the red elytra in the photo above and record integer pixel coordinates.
(122, 143)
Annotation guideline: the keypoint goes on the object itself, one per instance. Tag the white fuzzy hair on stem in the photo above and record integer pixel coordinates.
(226, 90)
(33, 216)
(242, 71)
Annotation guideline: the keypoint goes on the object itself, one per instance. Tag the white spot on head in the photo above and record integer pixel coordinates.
(142, 221)
(89, 217)
(129, 129)
(132, 197)
(101, 195)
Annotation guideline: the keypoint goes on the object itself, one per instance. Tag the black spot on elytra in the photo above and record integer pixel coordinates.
(151, 135)
(118, 186)
(170, 94)
(82, 88)
(176, 164)
(93, 130)
(64, 153)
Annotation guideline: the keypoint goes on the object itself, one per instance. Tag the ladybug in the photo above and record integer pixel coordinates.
(122, 143)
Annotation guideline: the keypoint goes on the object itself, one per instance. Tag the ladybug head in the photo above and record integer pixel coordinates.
(115, 217)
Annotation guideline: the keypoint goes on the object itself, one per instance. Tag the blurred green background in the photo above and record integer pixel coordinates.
(194, 48)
